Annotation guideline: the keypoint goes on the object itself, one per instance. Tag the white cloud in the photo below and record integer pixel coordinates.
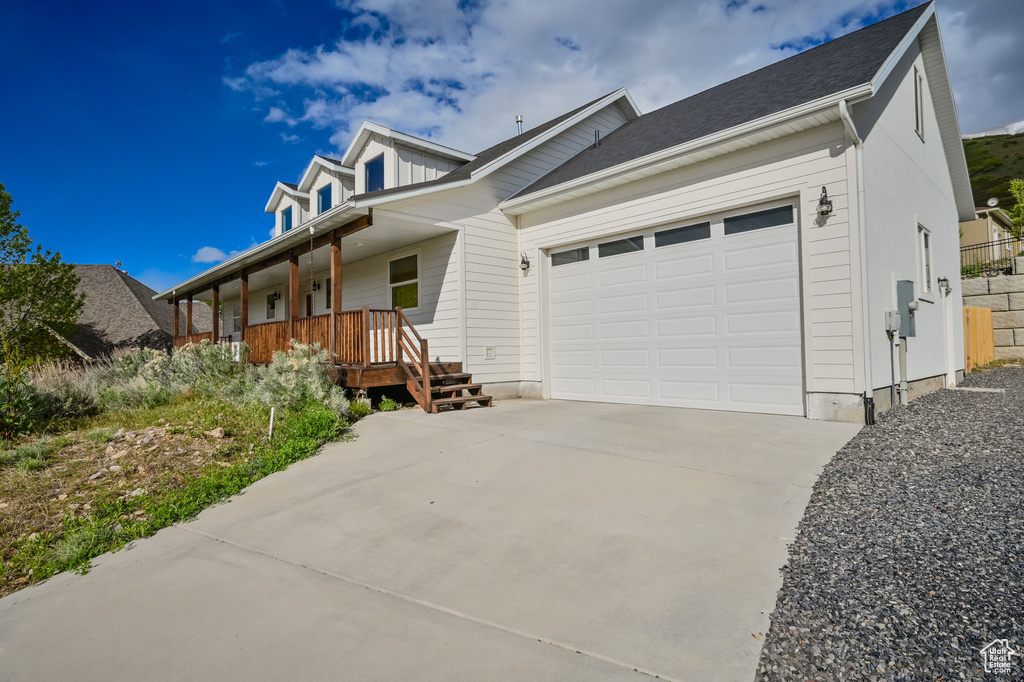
(259, 164)
(287, 137)
(209, 254)
(228, 37)
(460, 75)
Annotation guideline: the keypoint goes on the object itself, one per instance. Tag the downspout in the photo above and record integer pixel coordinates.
(858, 143)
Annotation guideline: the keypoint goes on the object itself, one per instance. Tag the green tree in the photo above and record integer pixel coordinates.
(39, 299)
(1017, 212)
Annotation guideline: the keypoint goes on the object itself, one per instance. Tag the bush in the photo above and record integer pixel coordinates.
(61, 390)
(387, 405)
(295, 378)
(359, 408)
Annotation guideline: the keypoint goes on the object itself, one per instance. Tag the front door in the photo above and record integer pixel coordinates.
(309, 305)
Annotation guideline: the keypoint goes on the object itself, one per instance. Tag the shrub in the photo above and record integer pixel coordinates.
(387, 405)
(204, 367)
(359, 408)
(61, 390)
(295, 378)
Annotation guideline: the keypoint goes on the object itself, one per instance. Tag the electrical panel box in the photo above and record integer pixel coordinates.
(906, 304)
(892, 321)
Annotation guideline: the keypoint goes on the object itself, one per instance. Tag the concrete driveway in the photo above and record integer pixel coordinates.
(532, 541)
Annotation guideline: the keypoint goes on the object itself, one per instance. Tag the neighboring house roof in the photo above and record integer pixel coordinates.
(509, 149)
(998, 214)
(280, 190)
(854, 63)
(119, 311)
(306, 183)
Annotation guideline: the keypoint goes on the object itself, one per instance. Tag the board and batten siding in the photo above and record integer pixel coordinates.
(492, 313)
(342, 187)
(795, 166)
(415, 165)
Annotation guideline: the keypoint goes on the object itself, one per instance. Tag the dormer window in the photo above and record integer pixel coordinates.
(375, 174)
(323, 199)
(286, 219)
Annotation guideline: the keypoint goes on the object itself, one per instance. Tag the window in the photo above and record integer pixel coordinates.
(919, 103)
(323, 199)
(620, 246)
(286, 219)
(327, 294)
(236, 317)
(680, 235)
(759, 220)
(924, 243)
(403, 280)
(375, 174)
(570, 256)
(271, 306)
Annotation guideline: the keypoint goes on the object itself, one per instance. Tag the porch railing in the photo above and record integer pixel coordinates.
(990, 258)
(193, 338)
(363, 337)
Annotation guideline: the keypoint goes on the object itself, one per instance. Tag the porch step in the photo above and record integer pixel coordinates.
(457, 388)
(448, 377)
(460, 402)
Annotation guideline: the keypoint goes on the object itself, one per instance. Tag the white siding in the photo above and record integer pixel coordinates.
(907, 182)
(492, 296)
(300, 212)
(795, 166)
(341, 187)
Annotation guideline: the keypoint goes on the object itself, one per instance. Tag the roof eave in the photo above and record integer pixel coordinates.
(280, 189)
(518, 205)
(367, 128)
(270, 247)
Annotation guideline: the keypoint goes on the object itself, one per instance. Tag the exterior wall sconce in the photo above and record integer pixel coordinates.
(944, 285)
(524, 262)
(315, 286)
(824, 204)
(276, 295)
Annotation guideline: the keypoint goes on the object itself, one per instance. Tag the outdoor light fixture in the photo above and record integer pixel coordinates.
(316, 285)
(276, 295)
(824, 204)
(524, 262)
(944, 284)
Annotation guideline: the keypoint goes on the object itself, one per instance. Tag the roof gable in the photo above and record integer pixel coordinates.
(318, 162)
(367, 130)
(508, 150)
(281, 190)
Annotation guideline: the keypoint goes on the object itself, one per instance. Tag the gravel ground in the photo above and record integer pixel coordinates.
(908, 559)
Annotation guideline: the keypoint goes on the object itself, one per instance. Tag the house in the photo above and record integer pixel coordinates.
(119, 312)
(992, 235)
(735, 250)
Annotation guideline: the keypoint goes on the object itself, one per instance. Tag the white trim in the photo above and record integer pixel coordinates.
(323, 162)
(896, 55)
(328, 220)
(517, 205)
(280, 189)
(925, 264)
(366, 128)
(390, 286)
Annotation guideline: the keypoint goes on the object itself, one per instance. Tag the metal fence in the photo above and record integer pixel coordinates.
(990, 258)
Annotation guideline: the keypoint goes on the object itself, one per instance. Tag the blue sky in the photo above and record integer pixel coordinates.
(152, 132)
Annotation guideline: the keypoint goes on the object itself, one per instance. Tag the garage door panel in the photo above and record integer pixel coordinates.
(635, 330)
(689, 358)
(628, 358)
(779, 290)
(629, 303)
(682, 393)
(682, 267)
(623, 275)
(763, 323)
(714, 323)
(689, 326)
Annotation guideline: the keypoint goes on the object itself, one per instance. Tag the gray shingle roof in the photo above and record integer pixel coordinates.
(827, 69)
(119, 311)
(465, 171)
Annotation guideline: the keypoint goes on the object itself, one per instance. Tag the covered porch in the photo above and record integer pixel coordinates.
(267, 297)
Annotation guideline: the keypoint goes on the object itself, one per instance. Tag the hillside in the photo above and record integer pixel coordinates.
(992, 162)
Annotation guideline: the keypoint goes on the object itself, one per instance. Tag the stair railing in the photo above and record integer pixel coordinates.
(408, 342)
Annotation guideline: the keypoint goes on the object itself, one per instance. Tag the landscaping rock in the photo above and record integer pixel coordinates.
(992, 301)
(977, 286)
(99, 474)
(1006, 285)
(216, 433)
(115, 467)
(907, 561)
(137, 492)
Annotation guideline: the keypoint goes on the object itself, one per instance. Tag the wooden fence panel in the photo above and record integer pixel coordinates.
(264, 339)
(979, 341)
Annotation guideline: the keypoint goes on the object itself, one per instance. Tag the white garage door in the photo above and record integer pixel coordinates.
(704, 314)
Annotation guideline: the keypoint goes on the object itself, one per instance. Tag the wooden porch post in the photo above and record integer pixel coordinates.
(215, 334)
(367, 355)
(245, 303)
(293, 294)
(188, 314)
(177, 315)
(335, 339)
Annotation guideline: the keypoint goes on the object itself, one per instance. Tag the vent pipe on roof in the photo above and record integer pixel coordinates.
(519, 123)
(597, 137)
